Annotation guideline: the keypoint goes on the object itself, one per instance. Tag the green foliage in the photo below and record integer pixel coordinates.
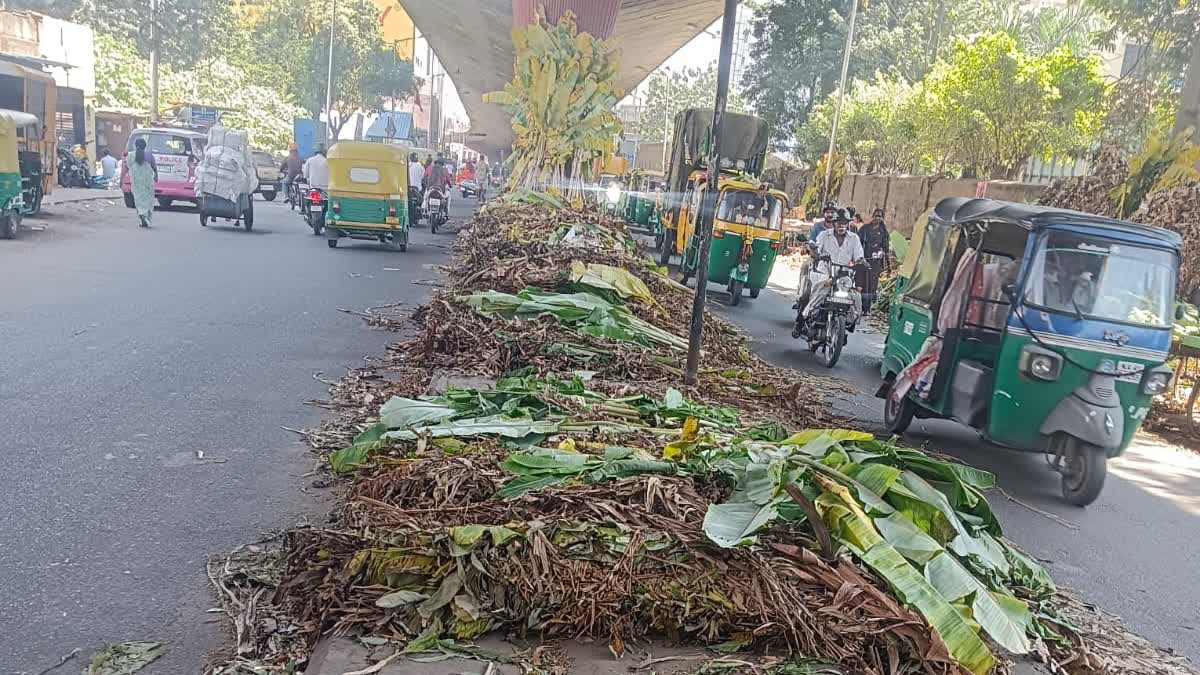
(983, 111)
(669, 92)
(561, 99)
(191, 30)
(122, 75)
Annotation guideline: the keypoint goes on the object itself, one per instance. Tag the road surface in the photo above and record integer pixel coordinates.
(1136, 552)
(128, 353)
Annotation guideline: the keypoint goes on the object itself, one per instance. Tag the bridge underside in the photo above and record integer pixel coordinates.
(472, 40)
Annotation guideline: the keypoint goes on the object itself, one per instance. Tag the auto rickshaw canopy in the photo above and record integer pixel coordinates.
(361, 167)
(10, 121)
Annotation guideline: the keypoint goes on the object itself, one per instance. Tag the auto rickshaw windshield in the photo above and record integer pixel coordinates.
(1085, 277)
(751, 208)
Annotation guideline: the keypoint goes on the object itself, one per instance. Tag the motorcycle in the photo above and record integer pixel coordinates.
(72, 171)
(297, 193)
(826, 328)
(468, 187)
(439, 209)
(416, 200)
(314, 209)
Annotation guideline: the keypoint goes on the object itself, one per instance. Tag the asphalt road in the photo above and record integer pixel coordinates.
(1135, 552)
(128, 353)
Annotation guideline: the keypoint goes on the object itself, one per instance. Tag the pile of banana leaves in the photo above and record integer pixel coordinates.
(529, 462)
(921, 524)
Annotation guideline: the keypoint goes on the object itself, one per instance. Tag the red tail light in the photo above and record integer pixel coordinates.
(314, 196)
(718, 234)
(775, 246)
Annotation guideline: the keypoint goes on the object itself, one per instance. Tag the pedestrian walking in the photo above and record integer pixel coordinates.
(143, 174)
(877, 249)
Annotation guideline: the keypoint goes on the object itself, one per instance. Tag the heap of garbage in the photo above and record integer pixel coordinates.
(1095, 192)
(529, 462)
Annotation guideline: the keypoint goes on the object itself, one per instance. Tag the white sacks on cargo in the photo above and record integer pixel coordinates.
(227, 167)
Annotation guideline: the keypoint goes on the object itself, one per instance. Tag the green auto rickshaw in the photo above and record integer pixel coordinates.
(746, 233)
(21, 175)
(1046, 330)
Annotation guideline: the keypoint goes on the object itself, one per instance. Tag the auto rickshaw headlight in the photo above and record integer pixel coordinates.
(845, 283)
(1156, 381)
(1039, 363)
(614, 193)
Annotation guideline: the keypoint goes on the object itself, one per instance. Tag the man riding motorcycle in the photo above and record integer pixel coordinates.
(837, 246)
(438, 183)
(416, 196)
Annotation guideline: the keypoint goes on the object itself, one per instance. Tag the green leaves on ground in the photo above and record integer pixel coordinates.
(123, 658)
(542, 468)
(587, 313)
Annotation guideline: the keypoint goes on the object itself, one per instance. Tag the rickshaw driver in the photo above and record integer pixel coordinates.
(841, 247)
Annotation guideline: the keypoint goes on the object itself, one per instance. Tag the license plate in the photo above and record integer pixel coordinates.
(841, 301)
(435, 202)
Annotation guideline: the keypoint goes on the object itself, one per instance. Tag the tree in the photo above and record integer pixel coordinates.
(990, 106)
(1169, 58)
(668, 92)
(798, 50)
(193, 30)
(290, 46)
(877, 131)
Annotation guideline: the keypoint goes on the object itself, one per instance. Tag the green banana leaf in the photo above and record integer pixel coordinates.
(400, 413)
(514, 428)
(1004, 618)
(734, 524)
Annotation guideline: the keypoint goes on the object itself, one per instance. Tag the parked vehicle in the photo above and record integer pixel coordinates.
(270, 178)
(1046, 330)
(72, 171)
(827, 325)
(176, 153)
(368, 193)
(20, 173)
(641, 205)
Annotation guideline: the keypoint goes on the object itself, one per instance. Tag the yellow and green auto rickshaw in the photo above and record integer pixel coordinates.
(746, 233)
(20, 173)
(642, 200)
(368, 194)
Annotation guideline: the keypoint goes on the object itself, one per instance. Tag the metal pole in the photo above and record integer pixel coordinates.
(154, 61)
(329, 74)
(837, 109)
(709, 206)
(666, 121)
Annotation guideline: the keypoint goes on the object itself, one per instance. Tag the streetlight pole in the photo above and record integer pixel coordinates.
(329, 74)
(837, 109)
(154, 61)
(709, 207)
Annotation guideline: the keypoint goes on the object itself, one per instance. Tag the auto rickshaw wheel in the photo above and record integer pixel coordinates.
(754, 292)
(897, 412)
(735, 292)
(332, 243)
(8, 226)
(1083, 467)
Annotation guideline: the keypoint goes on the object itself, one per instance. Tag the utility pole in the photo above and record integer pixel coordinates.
(154, 61)
(837, 109)
(709, 207)
(329, 74)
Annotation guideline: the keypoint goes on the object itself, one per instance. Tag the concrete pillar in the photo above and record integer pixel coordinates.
(597, 17)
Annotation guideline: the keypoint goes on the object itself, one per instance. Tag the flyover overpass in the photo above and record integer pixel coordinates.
(472, 40)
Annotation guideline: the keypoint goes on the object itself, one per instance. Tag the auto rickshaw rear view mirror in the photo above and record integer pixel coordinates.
(1010, 292)
(1180, 312)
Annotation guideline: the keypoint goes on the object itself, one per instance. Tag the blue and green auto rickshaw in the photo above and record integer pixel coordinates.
(1047, 330)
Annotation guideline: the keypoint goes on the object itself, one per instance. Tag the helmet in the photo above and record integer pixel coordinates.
(843, 216)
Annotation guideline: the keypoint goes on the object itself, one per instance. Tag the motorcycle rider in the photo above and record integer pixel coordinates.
(877, 250)
(438, 179)
(836, 246)
(316, 170)
(292, 166)
(416, 175)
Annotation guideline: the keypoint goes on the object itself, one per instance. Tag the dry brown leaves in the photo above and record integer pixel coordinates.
(1091, 193)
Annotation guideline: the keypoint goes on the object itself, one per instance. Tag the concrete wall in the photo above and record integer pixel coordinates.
(905, 198)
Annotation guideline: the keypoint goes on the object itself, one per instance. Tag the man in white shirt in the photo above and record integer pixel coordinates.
(837, 246)
(416, 172)
(316, 170)
(108, 164)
